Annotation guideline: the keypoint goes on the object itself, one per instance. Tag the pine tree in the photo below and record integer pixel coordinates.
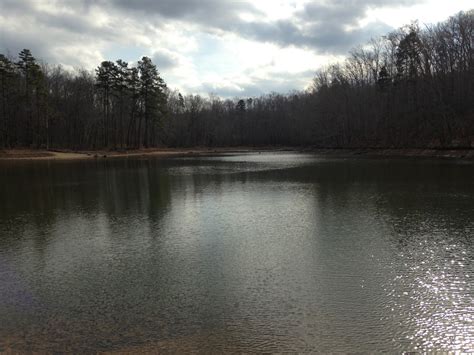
(133, 88)
(7, 74)
(104, 80)
(384, 79)
(152, 92)
(29, 69)
(120, 87)
(408, 55)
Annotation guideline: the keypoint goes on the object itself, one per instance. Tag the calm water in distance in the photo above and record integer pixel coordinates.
(252, 252)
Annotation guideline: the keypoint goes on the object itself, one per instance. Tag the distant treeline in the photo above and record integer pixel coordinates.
(411, 88)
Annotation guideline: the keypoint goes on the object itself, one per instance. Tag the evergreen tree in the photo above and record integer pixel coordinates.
(29, 70)
(105, 77)
(408, 55)
(7, 74)
(120, 86)
(152, 92)
(133, 88)
(384, 79)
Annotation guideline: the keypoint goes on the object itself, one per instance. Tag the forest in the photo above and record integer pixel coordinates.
(412, 88)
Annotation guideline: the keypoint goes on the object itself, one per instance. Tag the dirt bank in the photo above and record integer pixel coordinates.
(31, 154)
(376, 152)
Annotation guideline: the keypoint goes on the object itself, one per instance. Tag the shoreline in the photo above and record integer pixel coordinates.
(56, 154)
(50, 155)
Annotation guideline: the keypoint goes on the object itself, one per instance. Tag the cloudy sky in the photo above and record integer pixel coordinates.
(230, 48)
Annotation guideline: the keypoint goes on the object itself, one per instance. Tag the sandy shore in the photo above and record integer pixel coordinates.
(31, 154)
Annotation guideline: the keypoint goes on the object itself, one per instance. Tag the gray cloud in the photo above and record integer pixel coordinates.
(12, 43)
(346, 12)
(324, 38)
(165, 60)
(69, 32)
(281, 82)
(207, 13)
(320, 26)
(64, 33)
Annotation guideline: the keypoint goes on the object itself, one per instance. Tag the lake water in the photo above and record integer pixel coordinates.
(251, 252)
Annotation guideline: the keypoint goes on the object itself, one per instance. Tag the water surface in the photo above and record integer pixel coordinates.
(252, 252)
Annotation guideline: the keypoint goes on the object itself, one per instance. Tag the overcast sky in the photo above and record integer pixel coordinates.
(230, 48)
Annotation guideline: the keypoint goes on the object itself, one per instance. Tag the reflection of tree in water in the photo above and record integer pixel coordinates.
(145, 236)
(70, 227)
(39, 193)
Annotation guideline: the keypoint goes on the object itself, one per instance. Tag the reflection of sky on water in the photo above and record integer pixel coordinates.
(432, 291)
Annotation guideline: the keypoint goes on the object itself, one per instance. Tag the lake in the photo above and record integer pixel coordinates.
(239, 252)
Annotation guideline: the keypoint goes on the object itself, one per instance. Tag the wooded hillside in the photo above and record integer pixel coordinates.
(411, 88)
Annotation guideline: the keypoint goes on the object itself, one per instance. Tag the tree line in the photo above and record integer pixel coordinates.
(411, 88)
(116, 107)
